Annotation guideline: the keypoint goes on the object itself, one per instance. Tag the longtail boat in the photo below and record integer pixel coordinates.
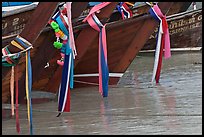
(34, 39)
(121, 39)
(185, 31)
(14, 21)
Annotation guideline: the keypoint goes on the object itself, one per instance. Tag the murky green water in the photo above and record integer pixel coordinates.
(134, 106)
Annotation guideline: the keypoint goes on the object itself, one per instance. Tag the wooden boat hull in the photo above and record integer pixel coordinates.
(55, 76)
(13, 22)
(176, 7)
(39, 59)
(37, 44)
(185, 31)
(122, 49)
(120, 53)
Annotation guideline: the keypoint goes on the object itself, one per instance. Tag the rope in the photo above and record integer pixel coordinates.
(88, 83)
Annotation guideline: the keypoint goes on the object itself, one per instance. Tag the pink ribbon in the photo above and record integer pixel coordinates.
(71, 36)
(95, 23)
(167, 52)
(96, 8)
(163, 42)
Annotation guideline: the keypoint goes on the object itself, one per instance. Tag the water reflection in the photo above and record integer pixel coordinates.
(135, 106)
(68, 122)
(167, 99)
(157, 101)
(105, 117)
(144, 101)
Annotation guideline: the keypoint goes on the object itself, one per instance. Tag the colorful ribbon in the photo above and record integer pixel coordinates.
(69, 52)
(96, 8)
(7, 59)
(17, 114)
(12, 90)
(95, 23)
(12, 61)
(124, 10)
(163, 41)
(66, 84)
(24, 44)
(71, 34)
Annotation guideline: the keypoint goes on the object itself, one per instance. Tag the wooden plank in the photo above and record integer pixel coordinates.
(81, 6)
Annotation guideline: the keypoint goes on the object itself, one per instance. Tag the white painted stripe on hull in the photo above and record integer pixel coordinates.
(96, 74)
(11, 8)
(176, 49)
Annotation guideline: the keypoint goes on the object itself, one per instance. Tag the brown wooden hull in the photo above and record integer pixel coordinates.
(125, 38)
(13, 23)
(39, 59)
(38, 48)
(176, 7)
(55, 75)
(185, 31)
(119, 34)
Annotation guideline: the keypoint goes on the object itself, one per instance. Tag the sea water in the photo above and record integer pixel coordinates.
(133, 107)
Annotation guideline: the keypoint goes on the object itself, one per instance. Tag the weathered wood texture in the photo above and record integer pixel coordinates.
(32, 30)
(185, 31)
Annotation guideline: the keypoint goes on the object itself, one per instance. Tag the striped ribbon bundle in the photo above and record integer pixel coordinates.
(124, 10)
(95, 23)
(163, 42)
(71, 34)
(69, 51)
(24, 45)
(10, 62)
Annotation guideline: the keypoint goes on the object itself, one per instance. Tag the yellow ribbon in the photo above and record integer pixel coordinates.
(27, 89)
(17, 45)
(12, 90)
(129, 3)
(14, 43)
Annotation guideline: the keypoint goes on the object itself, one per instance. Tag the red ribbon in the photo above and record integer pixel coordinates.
(17, 114)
